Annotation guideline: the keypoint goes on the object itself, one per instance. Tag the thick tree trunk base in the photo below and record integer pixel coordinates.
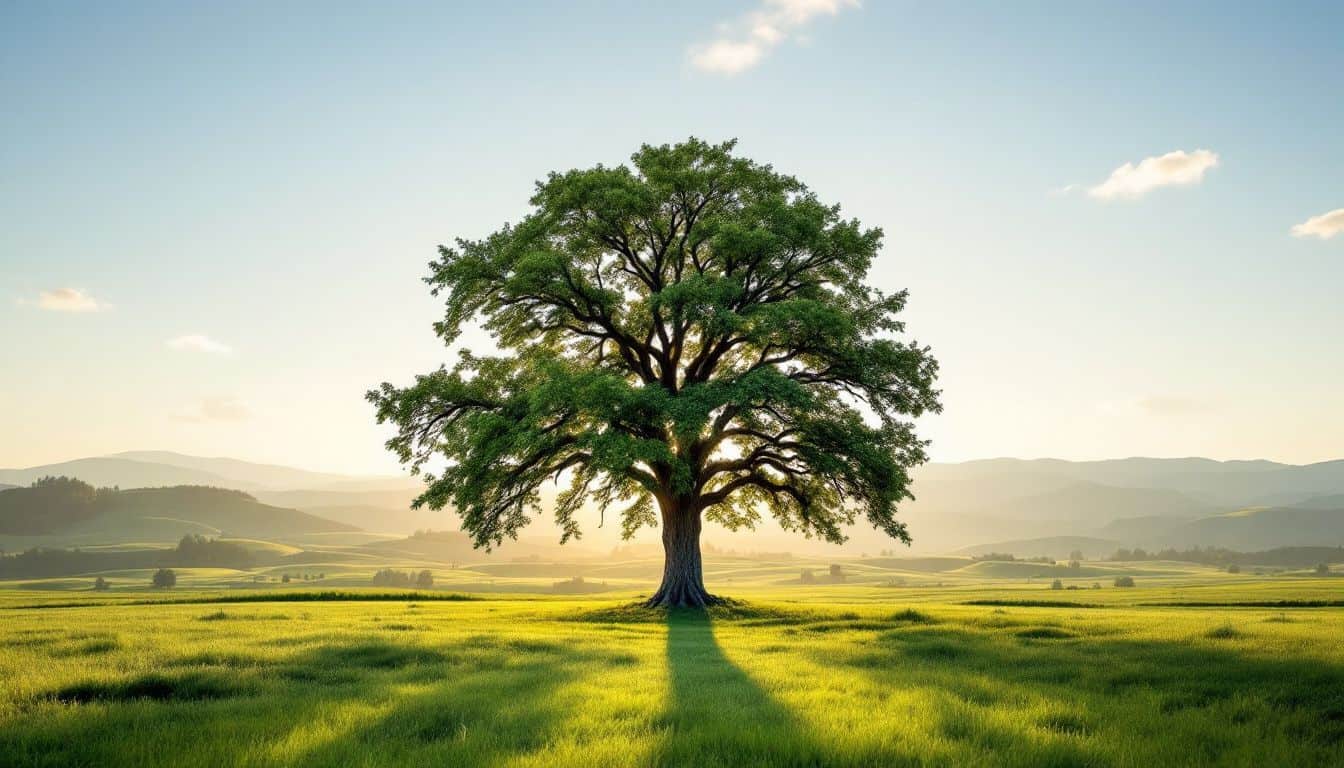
(682, 598)
(683, 585)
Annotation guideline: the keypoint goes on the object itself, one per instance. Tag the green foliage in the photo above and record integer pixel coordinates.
(196, 550)
(49, 504)
(1124, 581)
(691, 335)
(391, 577)
(164, 577)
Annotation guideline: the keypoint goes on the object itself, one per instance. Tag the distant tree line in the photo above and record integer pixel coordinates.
(1004, 557)
(190, 552)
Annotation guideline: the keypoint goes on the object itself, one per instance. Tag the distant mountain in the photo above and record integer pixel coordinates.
(381, 511)
(394, 499)
(109, 472)
(148, 469)
(383, 520)
(1092, 501)
(251, 475)
(1148, 531)
(1263, 528)
(1220, 482)
(1334, 501)
(1135, 501)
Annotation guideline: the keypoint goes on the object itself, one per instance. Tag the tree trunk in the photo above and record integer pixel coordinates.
(683, 584)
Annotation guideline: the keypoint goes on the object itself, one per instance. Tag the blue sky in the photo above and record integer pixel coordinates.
(244, 199)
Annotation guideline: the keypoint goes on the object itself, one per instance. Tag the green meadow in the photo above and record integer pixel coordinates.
(939, 664)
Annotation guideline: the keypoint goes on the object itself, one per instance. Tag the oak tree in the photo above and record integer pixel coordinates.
(687, 338)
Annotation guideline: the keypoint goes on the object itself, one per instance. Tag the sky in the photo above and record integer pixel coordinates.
(1117, 222)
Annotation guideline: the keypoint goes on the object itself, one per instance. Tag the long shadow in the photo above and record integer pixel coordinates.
(718, 716)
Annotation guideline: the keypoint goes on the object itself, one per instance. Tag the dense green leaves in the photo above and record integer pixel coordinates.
(692, 334)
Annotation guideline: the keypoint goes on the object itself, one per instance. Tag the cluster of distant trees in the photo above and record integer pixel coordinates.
(1218, 556)
(577, 586)
(1004, 557)
(836, 574)
(200, 551)
(391, 577)
(1057, 584)
(49, 504)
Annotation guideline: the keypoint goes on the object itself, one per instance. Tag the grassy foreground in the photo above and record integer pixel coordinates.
(856, 679)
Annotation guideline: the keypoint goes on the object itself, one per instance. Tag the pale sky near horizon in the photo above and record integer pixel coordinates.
(1116, 221)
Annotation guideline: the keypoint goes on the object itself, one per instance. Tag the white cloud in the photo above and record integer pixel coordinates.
(216, 409)
(742, 44)
(1178, 168)
(68, 300)
(196, 342)
(1325, 226)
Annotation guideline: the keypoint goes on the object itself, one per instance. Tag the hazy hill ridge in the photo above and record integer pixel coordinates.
(146, 469)
(1035, 503)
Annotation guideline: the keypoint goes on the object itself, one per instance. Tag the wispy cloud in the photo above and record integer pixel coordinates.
(742, 44)
(1179, 168)
(196, 342)
(67, 300)
(1165, 405)
(1325, 226)
(1157, 406)
(216, 409)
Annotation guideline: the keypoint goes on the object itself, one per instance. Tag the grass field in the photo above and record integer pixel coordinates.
(853, 674)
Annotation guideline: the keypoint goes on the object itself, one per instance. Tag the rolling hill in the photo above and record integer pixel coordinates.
(1263, 528)
(70, 512)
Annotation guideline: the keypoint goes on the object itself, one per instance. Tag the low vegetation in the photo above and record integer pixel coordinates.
(840, 680)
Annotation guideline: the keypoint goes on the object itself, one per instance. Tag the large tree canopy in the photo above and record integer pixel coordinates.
(691, 337)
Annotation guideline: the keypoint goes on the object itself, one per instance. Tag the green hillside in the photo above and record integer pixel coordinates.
(232, 512)
(66, 512)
